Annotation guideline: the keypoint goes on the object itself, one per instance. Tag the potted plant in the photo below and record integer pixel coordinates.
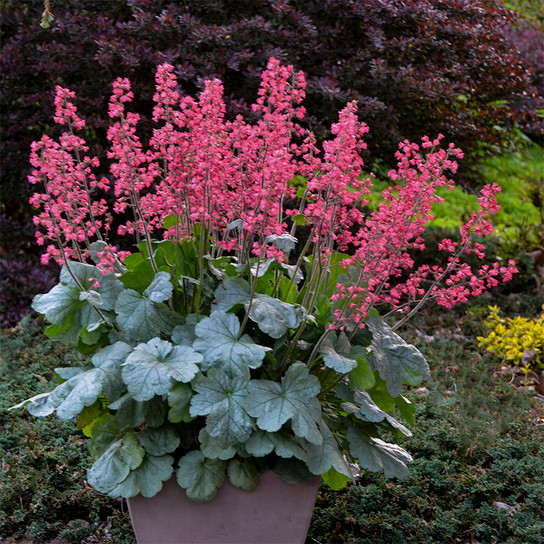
(236, 336)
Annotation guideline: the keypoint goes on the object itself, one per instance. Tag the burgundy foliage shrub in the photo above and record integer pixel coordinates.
(21, 274)
(415, 67)
(528, 39)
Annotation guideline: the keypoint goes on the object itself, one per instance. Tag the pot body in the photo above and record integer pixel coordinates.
(273, 513)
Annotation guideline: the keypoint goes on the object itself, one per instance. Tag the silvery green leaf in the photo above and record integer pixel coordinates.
(95, 326)
(295, 399)
(396, 361)
(179, 399)
(143, 319)
(213, 448)
(92, 297)
(284, 242)
(160, 289)
(219, 344)
(243, 473)
(39, 405)
(273, 316)
(261, 443)
(260, 268)
(376, 455)
(370, 411)
(217, 272)
(184, 335)
(133, 413)
(59, 304)
(236, 224)
(292, 471)
(118, 336)
(320, 458)
(200, 477)
(336, 353)
(84, 385)
(70, 397)
(307, 316)
(151, 367)
(69, 372)
(159, 440)
(109, 360)
(109, 290)
(230, 292)
(83, 272)
(114, 465)
(117, 352)
(363, 407)
(147, 479)
(82, 389)
(293, 269)
(103, 434)
(222, 399)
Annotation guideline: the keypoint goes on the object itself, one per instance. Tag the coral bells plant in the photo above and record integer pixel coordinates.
(237, 331)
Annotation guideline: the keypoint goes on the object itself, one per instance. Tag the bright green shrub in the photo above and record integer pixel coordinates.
(521, 178)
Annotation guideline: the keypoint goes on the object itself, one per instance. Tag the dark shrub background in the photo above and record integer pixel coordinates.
(415, 67)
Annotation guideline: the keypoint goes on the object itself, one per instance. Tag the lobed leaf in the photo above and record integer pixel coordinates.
(261, 443)
(336, 353)
(158, 441)
(320, 458)
(115, 464)
(222, 399)
(200, 477)
(376, 455)
(396, 361)
(213, 448)
(104, 433)
(295, 399)
(243, 473)
(361, 405)
(179, 399)
(143, 319)
(160, 289)
(133, 413)
(219, 344)
(231, 291)
(151, 367)
(273, 316)
(147, 479)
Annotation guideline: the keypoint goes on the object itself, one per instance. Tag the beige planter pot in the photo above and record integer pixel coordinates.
(273, 513)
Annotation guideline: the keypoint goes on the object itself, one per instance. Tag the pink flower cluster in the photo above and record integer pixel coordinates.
(233, 181)
(71, 216)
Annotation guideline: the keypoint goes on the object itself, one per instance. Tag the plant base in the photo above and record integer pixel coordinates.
(273, 513)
